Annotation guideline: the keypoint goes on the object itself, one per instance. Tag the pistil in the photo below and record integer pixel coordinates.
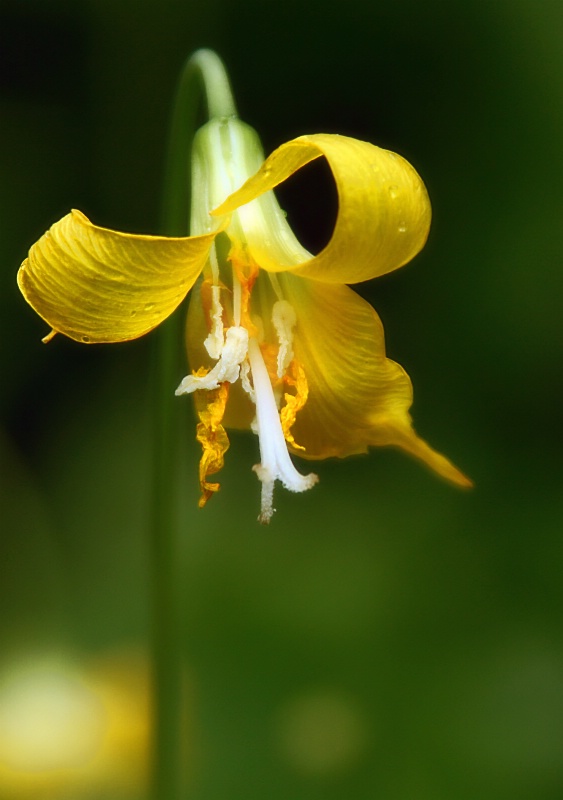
(275, 461)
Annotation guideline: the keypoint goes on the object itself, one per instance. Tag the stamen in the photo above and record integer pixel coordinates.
(216, 338)
(214, 263)
(294, 402)
(226, 369)
(275, 285)
(258, 329)
(245, 273)
(213, 438)
(284, 320)
(245, 381)
(275, 461)
(237, 298)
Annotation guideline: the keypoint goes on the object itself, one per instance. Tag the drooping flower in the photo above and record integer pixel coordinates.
(276, 339)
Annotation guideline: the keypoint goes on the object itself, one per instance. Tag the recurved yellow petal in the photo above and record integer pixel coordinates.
(383, 216)
(357, 396)
(99, 285)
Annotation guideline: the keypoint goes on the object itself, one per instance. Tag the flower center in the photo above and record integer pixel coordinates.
(239, 353)
(249, 336)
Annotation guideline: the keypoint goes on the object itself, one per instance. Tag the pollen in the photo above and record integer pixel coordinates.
(293, 402)
(245, 272)
(227, 367)
(212, 436)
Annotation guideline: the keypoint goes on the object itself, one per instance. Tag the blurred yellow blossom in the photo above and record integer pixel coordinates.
(68, 728)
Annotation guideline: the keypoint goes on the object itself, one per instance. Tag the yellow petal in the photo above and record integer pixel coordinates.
(383, 216)
(357, 396)
(98, 285)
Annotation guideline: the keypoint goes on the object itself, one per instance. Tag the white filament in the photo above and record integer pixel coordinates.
(284, 320)
(216, 338)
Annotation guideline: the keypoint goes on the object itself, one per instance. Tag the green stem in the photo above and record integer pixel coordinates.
(203, 74)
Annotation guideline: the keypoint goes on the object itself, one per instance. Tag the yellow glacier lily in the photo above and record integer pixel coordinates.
(276, 339)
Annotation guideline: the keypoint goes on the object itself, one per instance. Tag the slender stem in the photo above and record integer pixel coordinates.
(203, 74)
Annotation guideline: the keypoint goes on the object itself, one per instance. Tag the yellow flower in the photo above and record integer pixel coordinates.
(276, 339)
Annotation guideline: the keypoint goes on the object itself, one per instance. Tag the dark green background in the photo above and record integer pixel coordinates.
(429, 616)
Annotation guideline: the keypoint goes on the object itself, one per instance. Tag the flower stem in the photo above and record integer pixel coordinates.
(203, 75)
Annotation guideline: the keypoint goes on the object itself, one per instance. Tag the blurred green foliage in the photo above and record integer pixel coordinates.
(388, 636)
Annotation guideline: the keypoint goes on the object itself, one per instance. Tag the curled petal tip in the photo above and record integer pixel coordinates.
(51, 335)
(383, 217)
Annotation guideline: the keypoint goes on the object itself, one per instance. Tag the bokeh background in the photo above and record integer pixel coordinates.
(388, 636)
